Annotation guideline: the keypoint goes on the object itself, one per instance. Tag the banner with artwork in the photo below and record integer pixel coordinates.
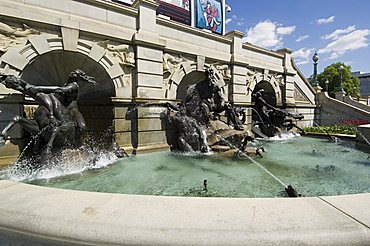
(209, 15)
(177, 10)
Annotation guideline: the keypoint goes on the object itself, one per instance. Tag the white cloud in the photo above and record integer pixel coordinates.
(302, 53)
(227, 21)
(235, 17)
(343, 43)
(301, 38)
(240, 23)
(339, 32)
(302, 62)
(268, 34)
(285, 30)
(302, 56)
(325, 21)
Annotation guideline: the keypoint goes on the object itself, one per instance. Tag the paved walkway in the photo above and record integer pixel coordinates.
(102, 218)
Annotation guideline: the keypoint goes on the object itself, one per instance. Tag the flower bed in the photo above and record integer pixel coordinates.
(348, 127)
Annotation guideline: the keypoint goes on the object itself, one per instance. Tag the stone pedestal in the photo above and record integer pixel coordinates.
(339, 95)
(363, 134)
(317, 88)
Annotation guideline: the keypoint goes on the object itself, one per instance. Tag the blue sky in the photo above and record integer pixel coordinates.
(339, 30)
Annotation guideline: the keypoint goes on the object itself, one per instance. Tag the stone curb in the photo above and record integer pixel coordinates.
(105, 219)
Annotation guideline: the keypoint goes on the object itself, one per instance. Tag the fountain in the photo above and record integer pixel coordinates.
(59, 125)
(213, 188)
(197, 126)
(198, 166)
(270, 121)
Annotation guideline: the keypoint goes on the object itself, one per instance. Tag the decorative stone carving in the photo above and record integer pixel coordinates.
(124, 53)
(171, 63)
(251, 76)
(223, 70)
(279, 78)
(299, 96)
(12, 36)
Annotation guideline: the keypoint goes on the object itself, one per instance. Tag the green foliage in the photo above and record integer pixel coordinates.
(339, 129)
(331, 73)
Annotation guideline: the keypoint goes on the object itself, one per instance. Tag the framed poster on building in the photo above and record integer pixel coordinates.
(177, 10)
(209, 15)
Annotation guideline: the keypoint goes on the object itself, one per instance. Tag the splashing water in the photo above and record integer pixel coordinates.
(284, 136)
(31, 142)
(332, 138)
(67, 163)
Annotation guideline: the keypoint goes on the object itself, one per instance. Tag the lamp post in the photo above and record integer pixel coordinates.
(327, 86)
(340, 77)
(314, 82)
(340, 93)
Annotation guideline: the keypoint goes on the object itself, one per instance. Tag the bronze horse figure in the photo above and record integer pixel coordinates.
(58, 122)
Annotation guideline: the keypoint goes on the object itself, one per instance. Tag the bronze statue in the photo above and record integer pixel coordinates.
(204, 98)
(271, 120)
(195, 126)
(59, 122)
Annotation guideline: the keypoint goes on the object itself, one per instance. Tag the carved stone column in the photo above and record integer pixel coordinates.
(289, 73)
(149, 48)
(237, 87)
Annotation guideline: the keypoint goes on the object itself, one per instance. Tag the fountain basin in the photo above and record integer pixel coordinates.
(314, 166)
(40, 214)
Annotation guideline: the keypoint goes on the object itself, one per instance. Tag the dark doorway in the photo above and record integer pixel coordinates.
(94, 102)
(268, 94)
(187, 81)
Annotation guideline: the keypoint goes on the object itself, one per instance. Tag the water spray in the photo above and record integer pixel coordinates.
(331, 138)
(364, 138)
(288, 188)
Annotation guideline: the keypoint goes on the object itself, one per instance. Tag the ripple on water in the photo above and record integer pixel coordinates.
(311, 165)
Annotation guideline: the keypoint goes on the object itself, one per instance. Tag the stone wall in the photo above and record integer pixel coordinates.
(140, 60)
(362, 104)
(364, 84)
(332, 111)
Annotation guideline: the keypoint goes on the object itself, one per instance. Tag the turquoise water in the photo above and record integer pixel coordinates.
(313, 166)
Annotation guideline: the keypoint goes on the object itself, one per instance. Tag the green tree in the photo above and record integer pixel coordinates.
(331, 73)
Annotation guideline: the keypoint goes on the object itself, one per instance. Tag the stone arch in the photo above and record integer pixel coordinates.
(257, 78)
(179, 79)
(99, 116)
(16, 59)
(269, 93)
(187, 81)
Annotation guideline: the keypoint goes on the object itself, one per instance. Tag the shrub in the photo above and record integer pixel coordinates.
(348, 129)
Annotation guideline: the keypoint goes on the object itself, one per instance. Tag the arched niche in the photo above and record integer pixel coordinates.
(53, 68)
(268, 94)
(44, 60)
(189, 74)
(187, 81)
(272, 86)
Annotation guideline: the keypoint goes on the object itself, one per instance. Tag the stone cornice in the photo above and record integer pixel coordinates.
(111, 5)
(186, 28)
(235, 33)
(250, 46)
(149, 3)
(284, 50)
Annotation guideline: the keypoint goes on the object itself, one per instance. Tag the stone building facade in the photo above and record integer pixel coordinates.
(140, 61)
(364, 83)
